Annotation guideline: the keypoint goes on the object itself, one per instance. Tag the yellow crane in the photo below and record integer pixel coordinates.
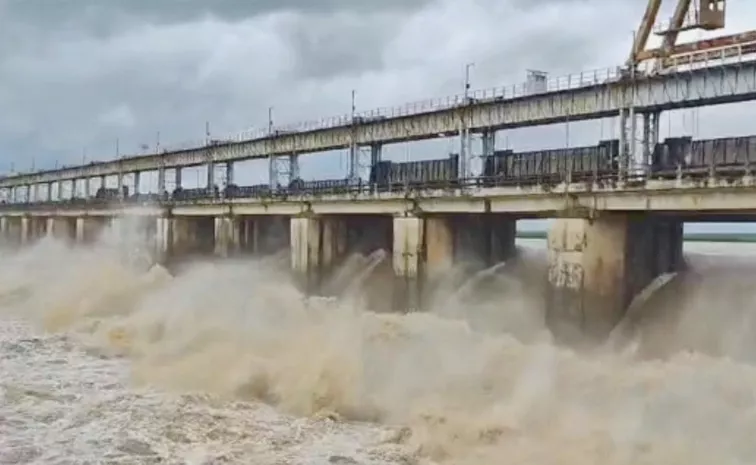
(706, 15)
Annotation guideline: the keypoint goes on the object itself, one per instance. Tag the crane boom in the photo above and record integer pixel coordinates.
(644, 30)
(707, 15)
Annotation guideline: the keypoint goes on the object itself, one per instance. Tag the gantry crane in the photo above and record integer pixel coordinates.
(706, 15)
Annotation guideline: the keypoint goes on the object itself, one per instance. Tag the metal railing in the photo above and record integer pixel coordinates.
(546, 181)
(695, 60)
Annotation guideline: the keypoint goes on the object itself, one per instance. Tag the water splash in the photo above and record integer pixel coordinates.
(239, 330)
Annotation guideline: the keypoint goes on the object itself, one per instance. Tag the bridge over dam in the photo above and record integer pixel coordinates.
(616, 227)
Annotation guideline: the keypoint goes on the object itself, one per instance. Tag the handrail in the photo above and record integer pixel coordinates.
(567, 82)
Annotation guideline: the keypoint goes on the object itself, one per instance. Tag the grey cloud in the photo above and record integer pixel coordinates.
(66, 12)
(136, 67)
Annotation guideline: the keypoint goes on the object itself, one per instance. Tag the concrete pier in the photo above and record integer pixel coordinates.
(597, 266)
(317, 244)
(407, 258)
(426, 248)
(61, 228)
(88, 229)
(227, 236)
(163, 239)
(12, 230)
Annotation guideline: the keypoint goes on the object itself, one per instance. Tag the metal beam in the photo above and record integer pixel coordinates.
(644, 30)
(602, 96)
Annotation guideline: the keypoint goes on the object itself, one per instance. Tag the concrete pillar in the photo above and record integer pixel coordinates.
(210, 175)
(317, 243)
(4, 228)
(226, 236)
(119, 185)
(407, 261)
(163, 240)
(229, 173)
(249, 235)
(293, 166)
(25, 230)
(375, 154)
(488, 143)
(178, 178)
(597, 266)
(88, 229)
(61, 227)
(36, 228)
(161, 180)
(14, 230)
(137, 181)
(439, 246)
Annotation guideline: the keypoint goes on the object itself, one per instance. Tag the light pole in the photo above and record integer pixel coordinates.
(353, 153)
(464, 132)
(270, 120)
(467, 80)
(354, 107)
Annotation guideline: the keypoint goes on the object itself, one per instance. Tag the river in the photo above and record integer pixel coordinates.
(226, 363)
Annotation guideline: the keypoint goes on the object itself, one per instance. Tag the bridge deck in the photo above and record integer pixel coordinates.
(579, 199)
(585, 99)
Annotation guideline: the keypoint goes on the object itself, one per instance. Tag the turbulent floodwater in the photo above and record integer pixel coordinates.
(226, 363)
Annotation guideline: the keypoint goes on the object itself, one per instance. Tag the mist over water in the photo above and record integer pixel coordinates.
(228, 363)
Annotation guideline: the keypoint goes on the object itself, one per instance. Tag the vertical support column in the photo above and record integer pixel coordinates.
(439, 246)
(306, 240)
(354, 161)
(317, 243)
(161, 180)
(163, 240)
(597, 266)
(88, 229)
(178, 180)
(230, 174)
(49, 192)
(375, 154)
(119, 184)
(272, 172)
(624, 148)
(103, 181)
(80, 230)
(293, 167)
(137, 182)
(407, 261)
(25, 230)
(210, 176)
(647, 148)
(586, 273)
(226, 236)
(4, 229)
(488, 142)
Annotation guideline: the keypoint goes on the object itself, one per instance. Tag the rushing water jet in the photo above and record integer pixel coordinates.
(475, 385)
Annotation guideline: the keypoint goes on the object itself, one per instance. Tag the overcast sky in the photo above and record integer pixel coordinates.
(75, 75)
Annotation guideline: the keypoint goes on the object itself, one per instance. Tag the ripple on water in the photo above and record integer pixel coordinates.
(60, 405)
